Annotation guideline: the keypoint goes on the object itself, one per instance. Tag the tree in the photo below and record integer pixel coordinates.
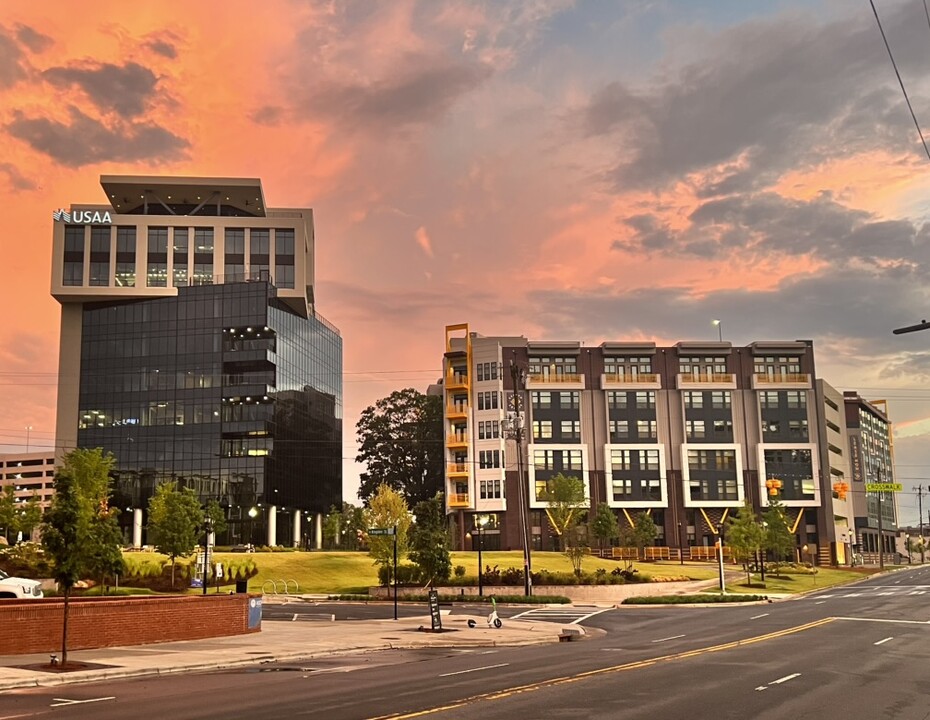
(778, 538)
(76, 533)
(30, 515)
(745, 536)
(644, 531)
(565, 504)
(604, 526)
(217, 514)
(400, 442)
(388, 509)
(8, 511)
(175, 519)
(332, 528)
(105, 555)
(429, 540)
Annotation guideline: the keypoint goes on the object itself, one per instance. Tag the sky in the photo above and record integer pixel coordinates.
(582, 171)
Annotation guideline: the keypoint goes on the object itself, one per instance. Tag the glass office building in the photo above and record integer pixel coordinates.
(192, 350)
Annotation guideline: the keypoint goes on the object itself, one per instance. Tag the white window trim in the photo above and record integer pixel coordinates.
(531, 469)
(815, 472)
(663, 478)
(686, 476)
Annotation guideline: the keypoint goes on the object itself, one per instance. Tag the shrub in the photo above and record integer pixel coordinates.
(27, 559)
(407, 574)
(459, 571)
(688, 599)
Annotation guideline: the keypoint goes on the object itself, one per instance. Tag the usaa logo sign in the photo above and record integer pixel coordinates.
(89, 217)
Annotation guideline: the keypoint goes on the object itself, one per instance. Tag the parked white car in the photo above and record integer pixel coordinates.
(17, 587)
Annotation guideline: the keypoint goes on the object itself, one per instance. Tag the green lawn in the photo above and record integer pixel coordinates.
(353, 572)
(785, 583)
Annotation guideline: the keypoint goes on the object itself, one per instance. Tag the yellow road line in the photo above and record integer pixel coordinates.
(500, 694)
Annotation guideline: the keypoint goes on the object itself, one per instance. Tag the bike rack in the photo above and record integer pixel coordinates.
(274, 587)
(285, 585)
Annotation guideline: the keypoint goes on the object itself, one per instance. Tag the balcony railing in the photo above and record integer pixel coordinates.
(637, 381)
(459, 408)
(786, 378)
(625, 378)
(458, 500)
(457, 468)
(454, 379)
(459, 438)
(708, 378)
(554, 377)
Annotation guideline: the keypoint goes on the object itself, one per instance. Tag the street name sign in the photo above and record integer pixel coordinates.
(884, 487)
(381, 531)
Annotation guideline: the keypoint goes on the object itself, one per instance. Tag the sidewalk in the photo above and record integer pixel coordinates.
(279, 641)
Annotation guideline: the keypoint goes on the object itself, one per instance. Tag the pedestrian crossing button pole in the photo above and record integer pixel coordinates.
(723, 587)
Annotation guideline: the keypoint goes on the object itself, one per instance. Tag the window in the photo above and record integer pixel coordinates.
(125, 256)
(571, 429)
(723, 427)
(487, 371)
(702, 366)
(542, 429)
(284, 257)
(628, 367)
(490, 489)
(694, 400)
(646, 400)
(569, 400)
(541, 399)
(180, 248)
(646, 429)
(259, 258)
(488, 429)
(488, 400)
(797, 430)
(234, 257)
(796, 399)
(489, 459)
(203, 256)
(619, 430)
(73, 271)
(768, 400)
(772, 366)
(694, 429)
(621, 460)
(547, 366)
(720, 399)
(99, 256)
(157, 257)
(616, 400)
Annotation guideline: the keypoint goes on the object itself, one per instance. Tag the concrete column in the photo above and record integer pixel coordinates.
(318, 531)
(296, 533)
(272, 525)
(137, 528)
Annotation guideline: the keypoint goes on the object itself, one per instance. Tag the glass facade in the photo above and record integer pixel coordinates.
(222, 388)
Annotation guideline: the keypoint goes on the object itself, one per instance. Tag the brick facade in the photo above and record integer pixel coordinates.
(35, 626)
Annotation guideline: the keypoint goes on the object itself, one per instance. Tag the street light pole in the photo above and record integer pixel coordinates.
(681, 547)
(480, 566)
(723, 586)
(719, 324)
(207, 529)
(920, 518)
(515, 430)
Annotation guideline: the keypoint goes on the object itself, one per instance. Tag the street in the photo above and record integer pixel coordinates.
(841, 653)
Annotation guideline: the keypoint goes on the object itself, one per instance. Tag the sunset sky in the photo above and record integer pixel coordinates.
(580, 171)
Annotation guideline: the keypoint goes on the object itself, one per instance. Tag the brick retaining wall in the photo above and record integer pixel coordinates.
(34, 626)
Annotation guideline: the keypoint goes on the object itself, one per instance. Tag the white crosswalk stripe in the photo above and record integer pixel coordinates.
(566, 614)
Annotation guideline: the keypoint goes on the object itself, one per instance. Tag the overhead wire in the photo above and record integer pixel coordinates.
(898, 74)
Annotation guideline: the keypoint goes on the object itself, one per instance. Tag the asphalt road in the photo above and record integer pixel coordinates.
(856, 652)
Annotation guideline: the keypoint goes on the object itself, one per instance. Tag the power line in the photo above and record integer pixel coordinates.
(900, 81)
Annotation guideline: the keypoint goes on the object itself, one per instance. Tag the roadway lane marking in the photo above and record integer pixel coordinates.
(820, 603)
(883, 620)
(552, 682)
(671, 637)
(756, 617)
(826, 596)
(785, 679)
(59, 702)
(471, 670)
(882, 642)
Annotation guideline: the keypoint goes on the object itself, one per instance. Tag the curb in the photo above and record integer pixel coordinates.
(51, 680)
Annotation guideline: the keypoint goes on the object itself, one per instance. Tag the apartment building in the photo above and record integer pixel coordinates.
(30, 473)
(192, 349)
(685, 433)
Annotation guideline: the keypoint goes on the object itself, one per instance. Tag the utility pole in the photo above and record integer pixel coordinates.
(920, 518)
(881, 537)
(516, 424)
